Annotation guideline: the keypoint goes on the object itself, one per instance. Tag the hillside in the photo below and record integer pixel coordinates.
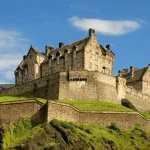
(59, 135)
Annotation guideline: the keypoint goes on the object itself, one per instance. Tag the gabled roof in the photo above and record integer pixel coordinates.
(105, 51)
(79, 44)
(137, 76)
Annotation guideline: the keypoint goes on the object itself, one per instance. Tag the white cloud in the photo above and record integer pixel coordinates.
(12, 47)
(106, 27)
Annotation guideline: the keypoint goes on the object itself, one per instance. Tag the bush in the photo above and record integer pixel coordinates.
(113, 126)
(55, 123)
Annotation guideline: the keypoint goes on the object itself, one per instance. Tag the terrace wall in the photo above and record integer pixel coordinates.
(15, 111)
(66, 112)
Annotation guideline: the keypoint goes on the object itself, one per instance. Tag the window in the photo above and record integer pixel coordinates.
(32, 69)
(50, 63)
(69, 68)
(31, 56)
(74, 54)
(90, 65)
(96, 67)
(58, 60)
(79, 65)
(19, 75)
(66, 56)
(104, 68)
(25, 72)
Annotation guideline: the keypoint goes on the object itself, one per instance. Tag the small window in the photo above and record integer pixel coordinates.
(58, 60)
(31, 56)
(69, 68)
(79, 65)
(96, 67)
(90, 65)
(19, 75)
(50, 63)
(26, 72)
(66, 57)
(74, 54)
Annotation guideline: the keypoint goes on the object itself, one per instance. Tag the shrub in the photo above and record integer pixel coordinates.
(55, 123)
(113, 126)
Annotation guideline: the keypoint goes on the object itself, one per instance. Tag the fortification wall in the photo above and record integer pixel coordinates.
(87, 86)
(15, 111)
(138, 99)
(67, 112)
(46, 87)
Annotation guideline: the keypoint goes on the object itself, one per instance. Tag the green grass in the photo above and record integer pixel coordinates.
(95, 105)
(145, 114)
(18, 98)
(16, 134)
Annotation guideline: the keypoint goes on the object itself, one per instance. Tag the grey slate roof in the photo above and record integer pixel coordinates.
(80, 45)
(138, 74)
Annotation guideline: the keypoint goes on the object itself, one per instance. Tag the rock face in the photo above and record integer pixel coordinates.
(59, 135)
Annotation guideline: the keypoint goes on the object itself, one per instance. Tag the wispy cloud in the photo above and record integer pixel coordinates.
(106, 27)
(12, 46)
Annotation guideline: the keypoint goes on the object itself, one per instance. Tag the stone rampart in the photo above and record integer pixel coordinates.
(66, 112)
(138, 99)
(15, 111)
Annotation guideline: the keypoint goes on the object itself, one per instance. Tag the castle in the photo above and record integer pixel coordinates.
(80, 70)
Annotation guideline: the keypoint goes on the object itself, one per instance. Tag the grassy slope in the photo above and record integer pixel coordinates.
(95, 105)
(64, 135)
(18, 98)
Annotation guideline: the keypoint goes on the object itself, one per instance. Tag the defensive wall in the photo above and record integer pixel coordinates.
(15, 111)
(138, 99)
(70, 85)
(66, 112)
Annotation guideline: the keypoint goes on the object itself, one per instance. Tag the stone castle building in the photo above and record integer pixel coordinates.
(85, 54)
(80, 70)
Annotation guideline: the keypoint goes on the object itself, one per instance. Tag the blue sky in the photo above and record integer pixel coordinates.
(123, 24)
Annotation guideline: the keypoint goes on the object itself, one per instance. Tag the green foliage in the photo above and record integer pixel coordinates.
(19, 98)
(95, 105)
(28, 135)
(55, 123)
(113, 126)
(16, 133)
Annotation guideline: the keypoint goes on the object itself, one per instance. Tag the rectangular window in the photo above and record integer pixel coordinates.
(19, 75)
(74, 54)
(79, 65)
(25, 73)
(90, 65)
(57, 60)
(96, 67)
(50, 63)
(69, 68)
(66, 57)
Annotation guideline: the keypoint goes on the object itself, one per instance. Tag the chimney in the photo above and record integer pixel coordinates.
(24, 57)
(108, 46)
(61, 44)
(48, 49)
(91, 32)
(132, 70)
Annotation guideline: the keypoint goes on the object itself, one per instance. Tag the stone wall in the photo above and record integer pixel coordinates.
(15, 111)
(86, 85)
(138, 99)
(67, 112)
